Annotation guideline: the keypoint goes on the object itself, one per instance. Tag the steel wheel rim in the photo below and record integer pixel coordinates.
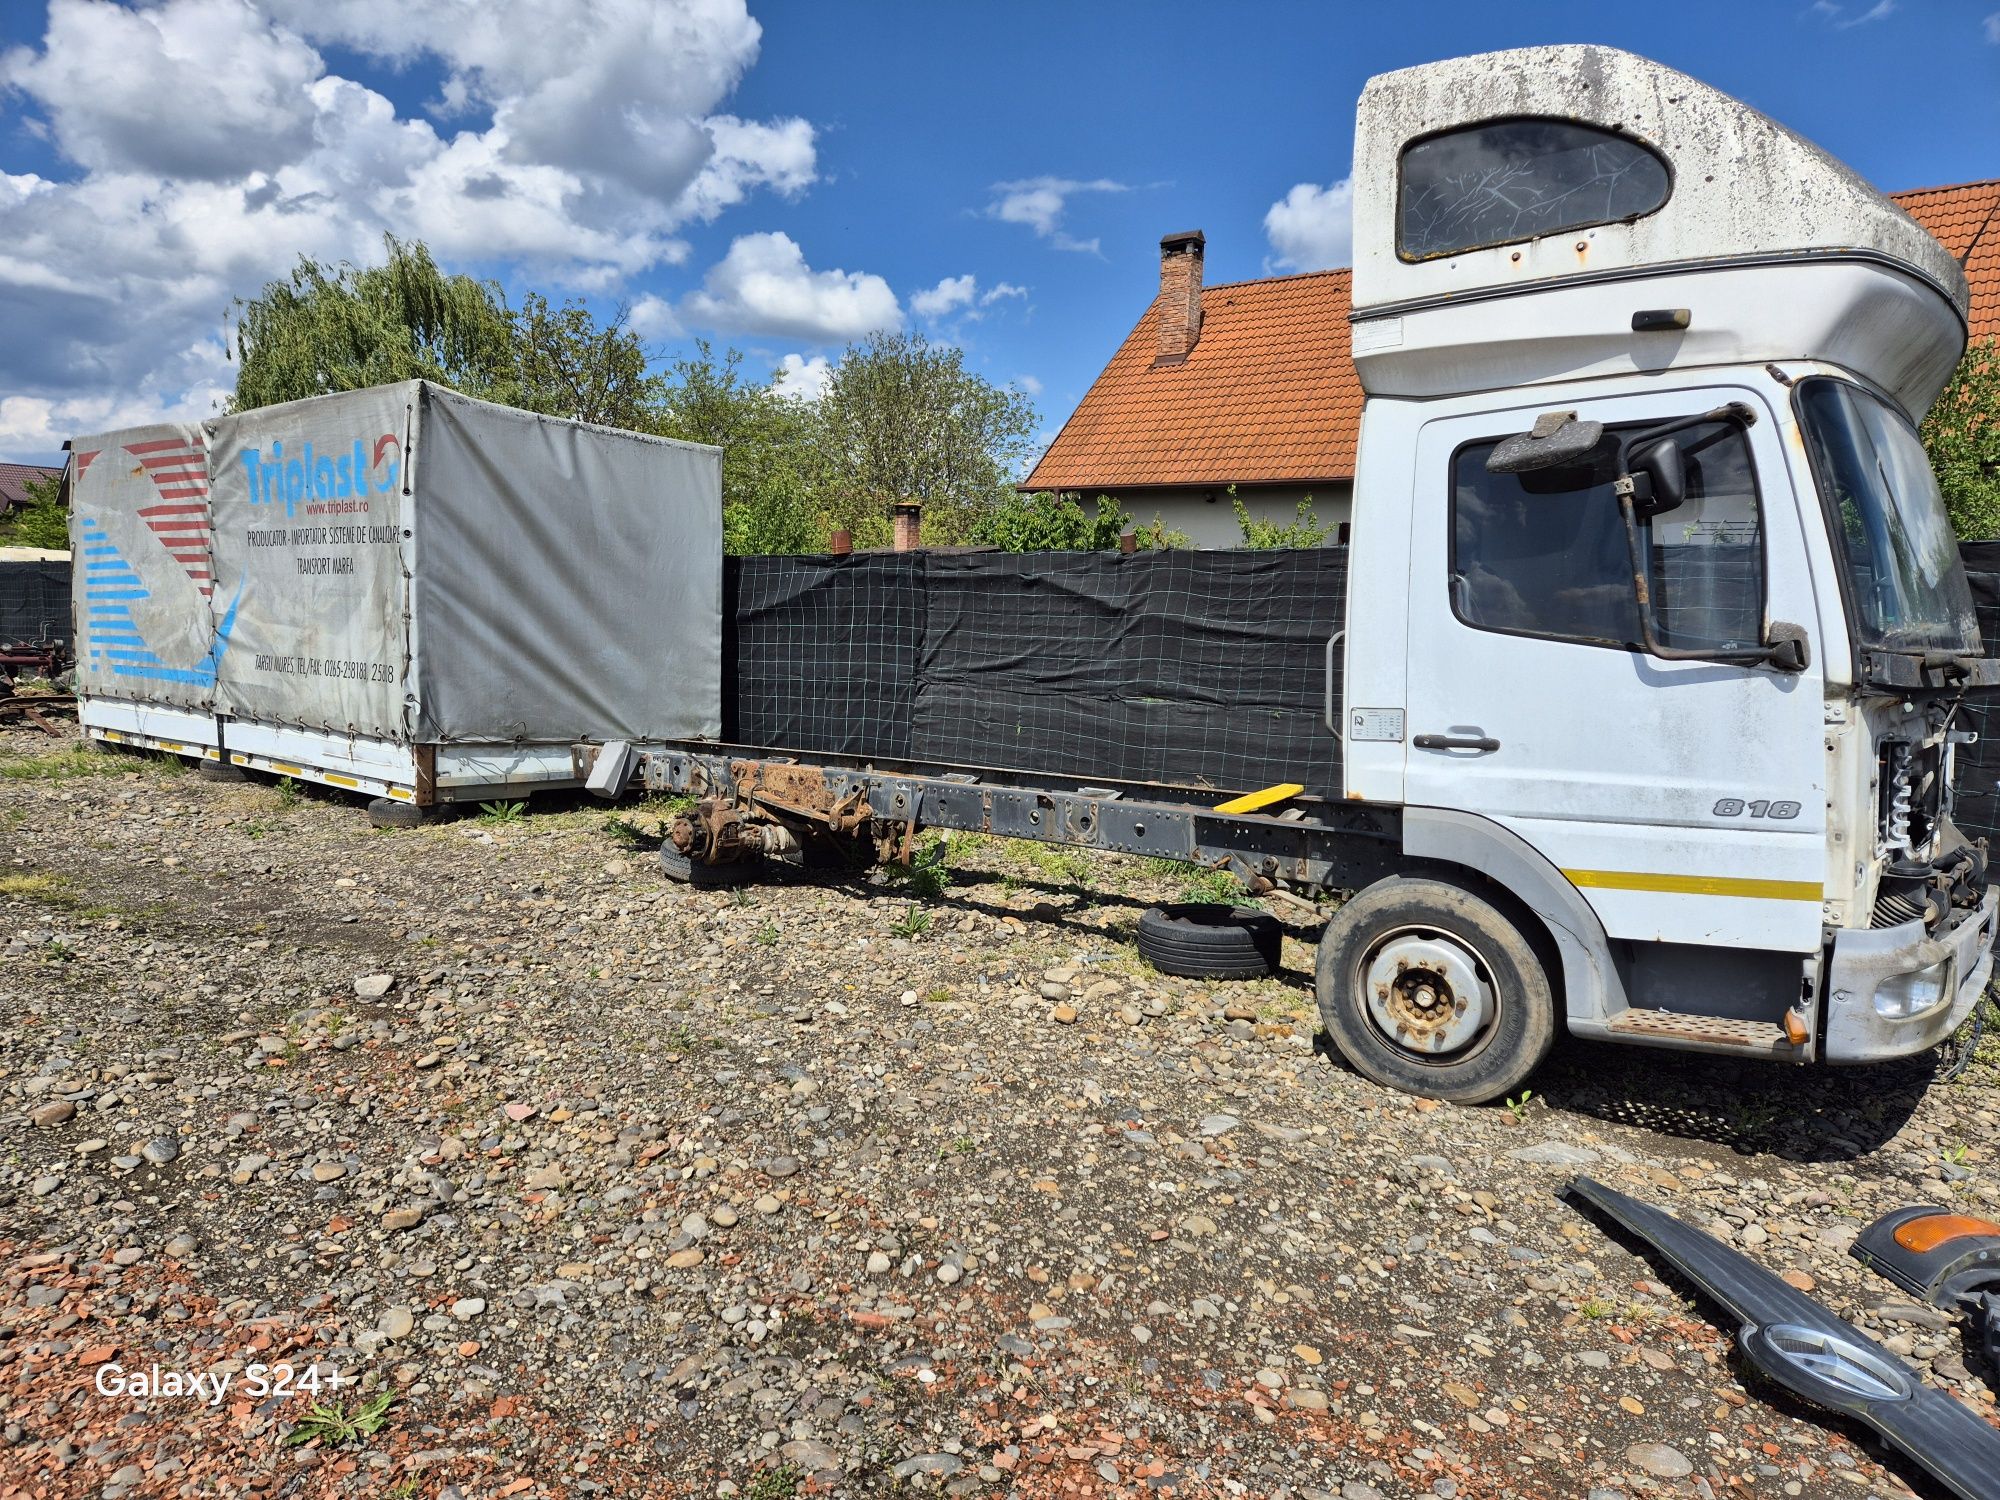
(1429, 995)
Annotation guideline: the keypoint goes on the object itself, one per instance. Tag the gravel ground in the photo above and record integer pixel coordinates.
(836, 1187)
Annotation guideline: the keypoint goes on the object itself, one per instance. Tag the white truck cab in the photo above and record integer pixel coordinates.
(1656, 625)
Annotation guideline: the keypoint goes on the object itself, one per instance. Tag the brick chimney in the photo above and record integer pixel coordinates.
(909, 526)
(1180, 295)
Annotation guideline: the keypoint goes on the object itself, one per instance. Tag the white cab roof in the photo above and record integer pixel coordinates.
(1743, 186)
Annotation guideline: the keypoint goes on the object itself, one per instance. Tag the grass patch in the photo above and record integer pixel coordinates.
(48, 890)
(64, 765)
(1054, 862)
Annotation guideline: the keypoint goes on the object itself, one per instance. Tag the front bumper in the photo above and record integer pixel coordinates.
(1858, 1030)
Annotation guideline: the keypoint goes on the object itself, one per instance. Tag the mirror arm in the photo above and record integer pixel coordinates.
(1786, 656)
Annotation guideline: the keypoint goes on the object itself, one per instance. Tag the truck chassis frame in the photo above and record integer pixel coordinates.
(1313, 846)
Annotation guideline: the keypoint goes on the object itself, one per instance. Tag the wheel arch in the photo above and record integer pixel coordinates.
(1505, 869)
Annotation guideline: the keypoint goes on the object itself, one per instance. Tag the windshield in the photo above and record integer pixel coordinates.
(1905, 586)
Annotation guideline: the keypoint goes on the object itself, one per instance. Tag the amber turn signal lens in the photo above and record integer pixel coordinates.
(1920, 1236)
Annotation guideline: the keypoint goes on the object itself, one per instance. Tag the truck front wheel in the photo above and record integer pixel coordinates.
(1427, 987)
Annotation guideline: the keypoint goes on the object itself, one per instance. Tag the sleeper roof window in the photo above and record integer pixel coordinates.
(1502, 181)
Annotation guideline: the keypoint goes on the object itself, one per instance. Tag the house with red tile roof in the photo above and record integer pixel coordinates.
(1251, 384)
(14, 483)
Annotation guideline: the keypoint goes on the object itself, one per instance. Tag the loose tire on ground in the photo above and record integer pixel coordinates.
(677, 866)
(1207, 940)
(386, 812)
(1427, 987)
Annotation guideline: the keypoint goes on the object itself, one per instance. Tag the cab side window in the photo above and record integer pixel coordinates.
(1545, 553)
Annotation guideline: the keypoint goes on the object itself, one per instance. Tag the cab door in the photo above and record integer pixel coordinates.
(1684, 799)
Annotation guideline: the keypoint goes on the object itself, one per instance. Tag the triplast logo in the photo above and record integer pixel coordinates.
(319, 481)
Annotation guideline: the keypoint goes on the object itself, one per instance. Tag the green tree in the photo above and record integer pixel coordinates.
(339, 328)
(1305, 531)
(769, 469)
(1962, 436)
(568, 365)
(902, 419)
(42, 522)
(1058, 523)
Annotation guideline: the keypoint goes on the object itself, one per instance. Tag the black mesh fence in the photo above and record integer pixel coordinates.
(820, 654)
(34, 602)
(1976, 797)
(1196, 668)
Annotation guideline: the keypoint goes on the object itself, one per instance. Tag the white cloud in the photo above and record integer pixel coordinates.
(193, 89)
(653, 317)
(1838, 16)
(214, 146)
(953, 291)
(1041, 202)
(763, 285)
(1029, 384)
(961, 295)
(802, 379)
(1991, 26)
(1312, 227)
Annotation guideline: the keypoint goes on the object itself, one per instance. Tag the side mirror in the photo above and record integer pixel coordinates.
(1658, 479)
(1557, 439)
(1789, 648)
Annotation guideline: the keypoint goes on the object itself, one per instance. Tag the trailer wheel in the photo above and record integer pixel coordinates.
(677, 866)
(1207, 940)
(1430, 989)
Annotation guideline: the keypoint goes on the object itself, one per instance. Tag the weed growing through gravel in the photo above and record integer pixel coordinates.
(1218, 886)
(335, 1426)
(914, 923)
(928, 873)
(773, 1484)
(501, 812)
(288, 793)
(627, 835)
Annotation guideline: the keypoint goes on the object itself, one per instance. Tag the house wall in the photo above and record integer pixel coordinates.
(1205, 514)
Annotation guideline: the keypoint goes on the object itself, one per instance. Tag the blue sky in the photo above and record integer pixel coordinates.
(780, 182)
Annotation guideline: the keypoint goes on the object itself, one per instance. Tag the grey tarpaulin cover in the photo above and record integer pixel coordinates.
(568, 579)
(407, 564)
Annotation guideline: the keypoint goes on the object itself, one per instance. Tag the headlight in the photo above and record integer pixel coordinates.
(1904, 995)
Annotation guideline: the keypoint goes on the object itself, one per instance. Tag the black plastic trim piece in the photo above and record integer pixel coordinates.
(1803, 1347)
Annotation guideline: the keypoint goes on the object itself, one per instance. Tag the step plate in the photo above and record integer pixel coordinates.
(1764, 1038)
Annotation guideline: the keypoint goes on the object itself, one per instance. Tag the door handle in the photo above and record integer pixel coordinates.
(1332, 645)
(1484, 744)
